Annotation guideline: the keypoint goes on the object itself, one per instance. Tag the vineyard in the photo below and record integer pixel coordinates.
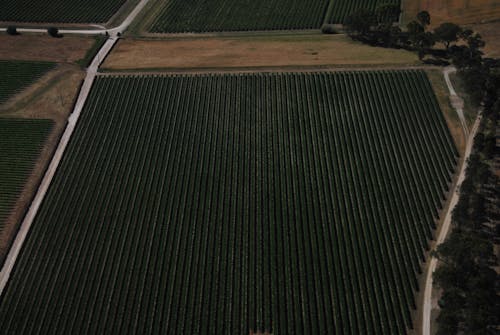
(20, 143)
(293, 203)
(59, 11)
(178, 16)
(343, 8)
(16, 75)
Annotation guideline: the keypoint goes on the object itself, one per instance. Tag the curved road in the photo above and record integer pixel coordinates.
(70, 127)
(457, 103)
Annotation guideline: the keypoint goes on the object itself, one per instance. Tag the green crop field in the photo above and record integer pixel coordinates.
(224, 204)
(20, 143)
(179, 16)
(343, 8)
(17, 75)
(59, 11)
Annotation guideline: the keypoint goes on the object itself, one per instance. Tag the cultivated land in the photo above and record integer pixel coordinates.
(179, 16)
(251, 52)
(49, 97)
(59, 11)
(341, 9)
(292, 203)
(16, 75)
(456, 11)
(20, 145)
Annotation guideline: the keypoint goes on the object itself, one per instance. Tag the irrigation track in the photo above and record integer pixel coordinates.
(457, 103)
(112, 31)
(70, 127)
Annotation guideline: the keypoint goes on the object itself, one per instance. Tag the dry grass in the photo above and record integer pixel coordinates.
(457, 11)
(491, 35)
(51, 97)
(443, 96)
(250, 51)
(39, 47)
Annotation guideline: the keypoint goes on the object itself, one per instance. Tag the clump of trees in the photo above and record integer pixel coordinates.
(470, 303)
(54, 32)
(12, 30)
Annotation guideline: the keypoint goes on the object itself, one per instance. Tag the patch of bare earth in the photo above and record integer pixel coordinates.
(491, 35)
(41, 47)
(457, 11)
(250, 52)
(51, 97)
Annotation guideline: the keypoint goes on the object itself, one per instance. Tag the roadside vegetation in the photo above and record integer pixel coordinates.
(99, 41)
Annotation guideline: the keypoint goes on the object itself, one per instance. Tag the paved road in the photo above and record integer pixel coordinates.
(70, 127)
(96, 31)
(458, 105)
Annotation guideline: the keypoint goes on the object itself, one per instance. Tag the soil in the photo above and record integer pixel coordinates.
(250, 51)
(51, 97)
(456, 11)
(491, 35)
(38, 47)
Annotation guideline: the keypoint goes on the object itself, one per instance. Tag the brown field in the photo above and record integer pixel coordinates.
(39, 47)
(51, 97)
(250, 52)
(491, 35)
(457, 11)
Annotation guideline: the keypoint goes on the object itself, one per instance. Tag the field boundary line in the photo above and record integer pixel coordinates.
(457, 104)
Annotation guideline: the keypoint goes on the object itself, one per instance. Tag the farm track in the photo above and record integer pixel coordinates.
(457, 104)
(200, 204)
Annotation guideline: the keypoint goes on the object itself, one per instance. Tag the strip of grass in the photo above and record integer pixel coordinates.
(90, 54)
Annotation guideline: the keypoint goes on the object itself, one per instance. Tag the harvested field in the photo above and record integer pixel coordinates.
(456, 11)
(491, 35)
(248, 52)
(38, 47)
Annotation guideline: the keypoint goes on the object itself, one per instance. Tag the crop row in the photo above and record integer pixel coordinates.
(178, 16)
(289, 203)
(16, 75)
(20, 143)
(59, 11)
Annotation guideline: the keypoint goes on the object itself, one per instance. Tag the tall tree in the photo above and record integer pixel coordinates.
(447, 33)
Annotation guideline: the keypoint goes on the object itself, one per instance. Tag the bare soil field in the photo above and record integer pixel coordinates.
(51, 97)
(457, 11)
(233, 52)
(44, 48)
(491, 35)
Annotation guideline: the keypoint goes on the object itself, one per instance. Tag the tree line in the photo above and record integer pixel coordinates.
(469, 303)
